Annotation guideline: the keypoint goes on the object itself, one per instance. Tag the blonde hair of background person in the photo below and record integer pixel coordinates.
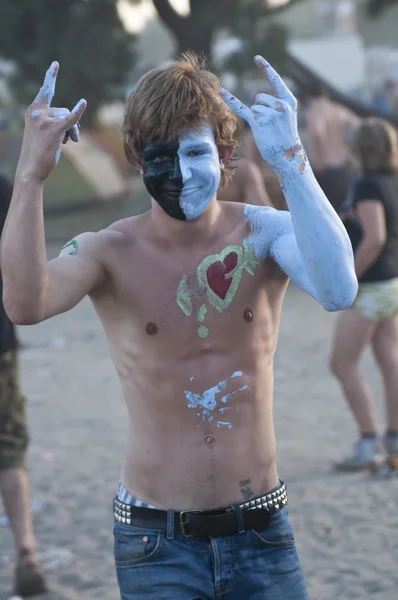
(373, 318)
(189, 294)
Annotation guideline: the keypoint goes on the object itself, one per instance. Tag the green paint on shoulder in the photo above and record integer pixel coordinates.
(73, 248)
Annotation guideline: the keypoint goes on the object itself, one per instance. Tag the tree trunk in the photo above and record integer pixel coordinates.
(195, 37)
(194, 31)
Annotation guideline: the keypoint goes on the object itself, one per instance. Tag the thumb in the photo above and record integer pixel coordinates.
(75, 114)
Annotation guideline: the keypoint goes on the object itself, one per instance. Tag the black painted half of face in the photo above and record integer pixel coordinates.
(162, 175)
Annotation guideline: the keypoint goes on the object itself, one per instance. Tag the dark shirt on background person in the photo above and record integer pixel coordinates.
(384, 188)
(8, 339)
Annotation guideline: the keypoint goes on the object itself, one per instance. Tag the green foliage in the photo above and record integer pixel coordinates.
(86, 37)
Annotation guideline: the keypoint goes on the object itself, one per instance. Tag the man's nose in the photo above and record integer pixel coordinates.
(185, 170)
(175, 172)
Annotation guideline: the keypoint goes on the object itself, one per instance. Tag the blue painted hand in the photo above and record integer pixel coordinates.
(272, 119)
(46, 128)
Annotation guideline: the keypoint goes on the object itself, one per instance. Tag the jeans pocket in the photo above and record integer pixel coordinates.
(133, 545)
(278, 534)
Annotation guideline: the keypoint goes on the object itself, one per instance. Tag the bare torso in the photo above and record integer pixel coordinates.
(200, 408)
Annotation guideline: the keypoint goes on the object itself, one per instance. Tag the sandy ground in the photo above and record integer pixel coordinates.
(346, 526)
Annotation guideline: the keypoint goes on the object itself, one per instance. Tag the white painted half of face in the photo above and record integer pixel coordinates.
(200, 170)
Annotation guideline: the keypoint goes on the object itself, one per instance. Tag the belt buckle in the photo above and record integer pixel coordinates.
(183, 522)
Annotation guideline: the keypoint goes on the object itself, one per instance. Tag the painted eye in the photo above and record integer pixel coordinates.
(196, 153)
(160, 158)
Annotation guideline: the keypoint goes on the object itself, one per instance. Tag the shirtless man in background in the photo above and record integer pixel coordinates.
(189, 295)
(328, 127)
(247, 185)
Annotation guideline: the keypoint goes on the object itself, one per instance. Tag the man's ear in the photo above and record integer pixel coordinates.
(137, 166)
(226, 155)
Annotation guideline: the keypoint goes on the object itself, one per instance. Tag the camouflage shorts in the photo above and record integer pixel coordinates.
(13, 430)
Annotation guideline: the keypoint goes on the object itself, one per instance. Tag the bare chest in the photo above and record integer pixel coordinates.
(191, 297)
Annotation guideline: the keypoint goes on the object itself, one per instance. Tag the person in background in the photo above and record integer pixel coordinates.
(271, 183)
(247, 185)
(14, 484)
(328, 126)
(372, 225)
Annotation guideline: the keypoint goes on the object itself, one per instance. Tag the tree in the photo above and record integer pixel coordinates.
(87, 38)
(249, 25)
(196, 31)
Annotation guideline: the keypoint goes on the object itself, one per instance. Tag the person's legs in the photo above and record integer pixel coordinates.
(385, 349)
(14, 485)
(265, 564)
(148, 565)
(164, 564)
(14, 488)
(353, 332)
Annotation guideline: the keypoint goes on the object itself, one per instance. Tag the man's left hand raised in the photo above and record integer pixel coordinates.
(272, 119)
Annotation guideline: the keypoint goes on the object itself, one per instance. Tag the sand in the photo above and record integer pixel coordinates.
(346, 526)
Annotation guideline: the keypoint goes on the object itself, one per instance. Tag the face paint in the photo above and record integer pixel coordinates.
(200, 168)
(218, 279)
(162, 175)
(182, 176)
(207, 403)
(70, 249)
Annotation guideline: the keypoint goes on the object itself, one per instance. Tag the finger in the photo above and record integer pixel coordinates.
(75, 114)
(61, 113)
(269, 101)
(237, 106)
(58, 113)
(74, 133)
(260, 109)
(47, 90)
(275, 80)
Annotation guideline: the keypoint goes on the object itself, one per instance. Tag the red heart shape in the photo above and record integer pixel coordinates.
(216, 273)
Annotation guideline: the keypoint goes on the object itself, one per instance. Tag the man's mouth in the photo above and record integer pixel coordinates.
(172, 191)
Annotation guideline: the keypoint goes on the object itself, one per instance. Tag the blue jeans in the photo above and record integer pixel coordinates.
(248, 566)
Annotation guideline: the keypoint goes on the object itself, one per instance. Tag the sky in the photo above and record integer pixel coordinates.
(135, 17)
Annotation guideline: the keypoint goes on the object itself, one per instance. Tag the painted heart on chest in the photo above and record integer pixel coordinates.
(217, 274)
(220, 275)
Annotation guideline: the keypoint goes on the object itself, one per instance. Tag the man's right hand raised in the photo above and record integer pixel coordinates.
(46, 128)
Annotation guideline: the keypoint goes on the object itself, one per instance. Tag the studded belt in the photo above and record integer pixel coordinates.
(253, 514)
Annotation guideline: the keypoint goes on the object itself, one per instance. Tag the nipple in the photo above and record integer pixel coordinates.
(248, 315)
(151, 328)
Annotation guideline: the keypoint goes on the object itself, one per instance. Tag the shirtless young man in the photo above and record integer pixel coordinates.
(247, 185)
(190, 296)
